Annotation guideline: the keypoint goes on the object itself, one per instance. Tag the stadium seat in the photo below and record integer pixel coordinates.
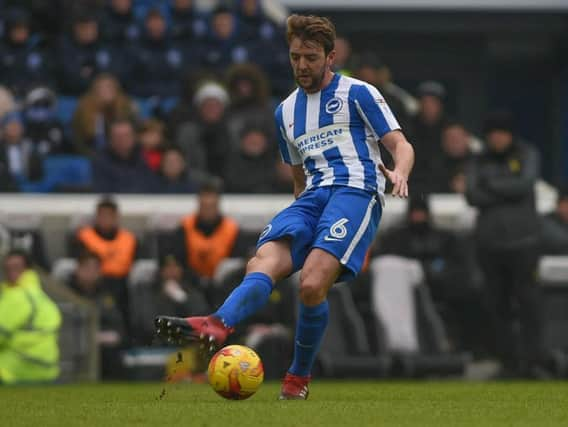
(157, 235)
(142, 274)
(63, 268)
(24, 232)
(345, 350)
(553, 280)
(226, 268)
(66, 106)
(415, 336)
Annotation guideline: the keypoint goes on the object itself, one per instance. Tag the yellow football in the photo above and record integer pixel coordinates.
(235, 372)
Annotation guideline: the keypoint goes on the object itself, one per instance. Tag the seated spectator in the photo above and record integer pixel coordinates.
(256, 24)
(554, 227)
(88, 282)
(249, 93)
(18, 154)
(448, 175)
(82, 56)
(119, 23)
(448, 265)
(224, 45)
(115, 246)
(159, 56)
(152, 139)
(207, 237)
(104, 103)
(42, 126)
(256, 159)
(24, 62)
(30, 322)
(171, 292)
(186, 23)
(120, 167)
(205, 140)
(174, 176)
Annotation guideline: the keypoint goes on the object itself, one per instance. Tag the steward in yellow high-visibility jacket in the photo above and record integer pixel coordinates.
(29, 326)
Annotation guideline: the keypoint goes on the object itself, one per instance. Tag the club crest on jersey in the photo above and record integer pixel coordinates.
(333, 105)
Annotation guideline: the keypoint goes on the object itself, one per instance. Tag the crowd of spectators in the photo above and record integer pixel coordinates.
(158, 97)
(141, 97)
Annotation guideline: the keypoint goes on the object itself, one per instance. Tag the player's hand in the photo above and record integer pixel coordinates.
(398, 180)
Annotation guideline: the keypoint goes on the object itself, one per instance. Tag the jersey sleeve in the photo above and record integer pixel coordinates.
(374, 111)
(288, 151)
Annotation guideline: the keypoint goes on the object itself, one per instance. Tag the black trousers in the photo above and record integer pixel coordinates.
(513, 303)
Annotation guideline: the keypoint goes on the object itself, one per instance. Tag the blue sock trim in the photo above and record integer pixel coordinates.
(312, 322)
(246, 299)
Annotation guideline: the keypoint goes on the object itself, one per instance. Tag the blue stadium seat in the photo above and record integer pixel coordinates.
(146, 106)
(61, 172)
(66, 106)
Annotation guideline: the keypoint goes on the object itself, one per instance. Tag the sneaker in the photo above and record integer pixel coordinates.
(294, 387)
(178, 330)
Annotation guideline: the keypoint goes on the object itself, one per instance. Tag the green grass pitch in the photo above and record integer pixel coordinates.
(330, 404)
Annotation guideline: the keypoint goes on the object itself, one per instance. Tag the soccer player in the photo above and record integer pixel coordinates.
(329, 129)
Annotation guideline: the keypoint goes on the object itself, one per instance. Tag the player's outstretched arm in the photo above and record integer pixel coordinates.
(299, 180)
(403, 156)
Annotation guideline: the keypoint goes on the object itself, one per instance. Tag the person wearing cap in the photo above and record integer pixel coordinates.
(205, 140)
(500, 184)
(43, 128)
(157, 61)
(426, 130)
(24, 62)
(82, 55)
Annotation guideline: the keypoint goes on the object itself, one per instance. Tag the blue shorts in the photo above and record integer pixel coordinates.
(340, 220)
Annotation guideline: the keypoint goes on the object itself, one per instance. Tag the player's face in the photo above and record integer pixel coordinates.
(309, 63)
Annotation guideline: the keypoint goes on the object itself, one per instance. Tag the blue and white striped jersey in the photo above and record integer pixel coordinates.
(334, 133)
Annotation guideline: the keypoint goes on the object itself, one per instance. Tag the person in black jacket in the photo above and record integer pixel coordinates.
(24, 62)
(120, 167)
(500, 183)
(186, 23)
(157, 61)
(119, 23)
(82, 55)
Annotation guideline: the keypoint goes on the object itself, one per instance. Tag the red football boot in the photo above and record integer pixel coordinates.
(178, 330)
(294, 387)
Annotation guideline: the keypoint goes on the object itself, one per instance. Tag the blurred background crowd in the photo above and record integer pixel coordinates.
(168, 97)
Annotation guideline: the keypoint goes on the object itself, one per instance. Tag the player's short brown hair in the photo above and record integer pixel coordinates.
(311, 28)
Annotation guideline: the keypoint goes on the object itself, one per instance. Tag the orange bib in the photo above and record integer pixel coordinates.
(205, 253)
(116, 255)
